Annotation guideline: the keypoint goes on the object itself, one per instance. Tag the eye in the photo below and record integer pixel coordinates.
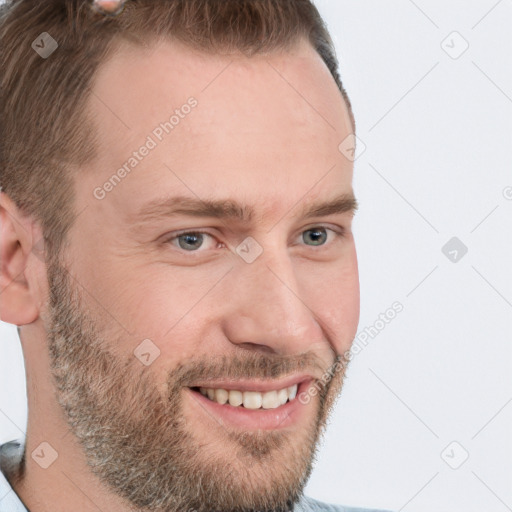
(318, 235)
(191, 241)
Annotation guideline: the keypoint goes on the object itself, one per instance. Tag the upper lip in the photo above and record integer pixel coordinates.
(261, 385)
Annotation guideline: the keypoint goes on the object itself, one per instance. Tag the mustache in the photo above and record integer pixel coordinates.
(250, 365)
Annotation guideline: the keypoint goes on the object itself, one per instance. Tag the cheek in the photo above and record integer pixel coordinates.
(155, 301)
(350, 310)
(351, 296)
(339, 305)
(173, 320)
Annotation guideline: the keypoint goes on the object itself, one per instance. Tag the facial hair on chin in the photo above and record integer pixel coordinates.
(137, 442)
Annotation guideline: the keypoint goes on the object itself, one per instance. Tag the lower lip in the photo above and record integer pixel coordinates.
(253, 419)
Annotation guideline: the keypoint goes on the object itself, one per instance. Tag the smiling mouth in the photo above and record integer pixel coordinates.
(249, 399)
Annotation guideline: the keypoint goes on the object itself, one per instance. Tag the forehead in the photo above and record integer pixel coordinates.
(218, 121)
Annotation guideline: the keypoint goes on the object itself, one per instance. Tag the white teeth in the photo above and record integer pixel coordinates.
(282, 396)
(292, 391)
(269, 400)
(221, 396)
(251, 399)
(235, 398)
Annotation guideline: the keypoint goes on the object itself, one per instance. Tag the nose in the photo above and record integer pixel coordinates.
(267, 310)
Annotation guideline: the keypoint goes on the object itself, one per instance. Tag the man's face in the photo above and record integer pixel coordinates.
(154, 303)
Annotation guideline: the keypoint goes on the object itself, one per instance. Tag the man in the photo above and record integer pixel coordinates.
(176, 250)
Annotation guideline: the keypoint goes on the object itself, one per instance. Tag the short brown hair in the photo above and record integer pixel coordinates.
(45, 132)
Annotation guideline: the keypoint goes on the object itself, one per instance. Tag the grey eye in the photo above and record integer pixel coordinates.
(190, 241)
(317, 236)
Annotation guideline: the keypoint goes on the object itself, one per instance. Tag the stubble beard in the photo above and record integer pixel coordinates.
(137, 441)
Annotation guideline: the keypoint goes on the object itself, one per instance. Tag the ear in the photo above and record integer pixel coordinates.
(18, 294)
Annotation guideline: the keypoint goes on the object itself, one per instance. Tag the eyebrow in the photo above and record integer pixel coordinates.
(231, 209)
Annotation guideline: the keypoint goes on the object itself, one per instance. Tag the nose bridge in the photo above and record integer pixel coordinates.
(268, 309)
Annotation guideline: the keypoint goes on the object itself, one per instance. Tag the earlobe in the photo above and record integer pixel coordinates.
(18, 302)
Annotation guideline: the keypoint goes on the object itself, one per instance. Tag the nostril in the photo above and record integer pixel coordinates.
(257, 346)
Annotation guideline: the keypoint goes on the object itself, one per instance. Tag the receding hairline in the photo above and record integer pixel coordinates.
(48, 132)
(121, 46)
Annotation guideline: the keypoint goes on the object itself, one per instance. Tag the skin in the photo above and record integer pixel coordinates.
(129, 436)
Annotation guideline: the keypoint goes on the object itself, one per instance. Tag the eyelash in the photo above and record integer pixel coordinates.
(338, 233)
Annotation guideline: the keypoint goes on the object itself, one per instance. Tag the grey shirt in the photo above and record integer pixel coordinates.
(10, 457)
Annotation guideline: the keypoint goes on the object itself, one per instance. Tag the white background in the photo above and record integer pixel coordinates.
(437, 138)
